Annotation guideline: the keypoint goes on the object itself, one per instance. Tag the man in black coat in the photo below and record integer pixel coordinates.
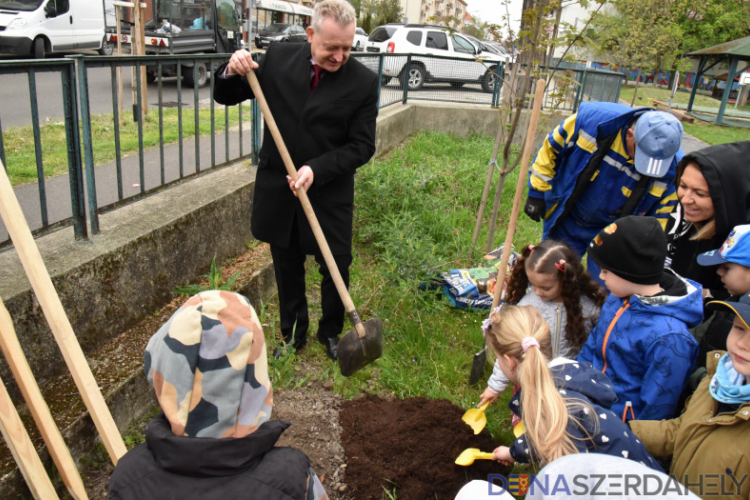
(325, 105)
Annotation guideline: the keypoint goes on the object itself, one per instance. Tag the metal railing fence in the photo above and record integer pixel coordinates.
(112, 177)
(66, 68)
(215, 140)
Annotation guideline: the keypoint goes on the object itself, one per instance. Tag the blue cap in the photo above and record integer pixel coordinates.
(735, 249)
(658, 136)
(741, 308)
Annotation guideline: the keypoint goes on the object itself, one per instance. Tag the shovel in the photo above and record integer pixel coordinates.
(468, 456)
(480, 358)
(475, 418)
(364, 344)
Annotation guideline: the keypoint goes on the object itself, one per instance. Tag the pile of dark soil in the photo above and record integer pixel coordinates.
(410, 445)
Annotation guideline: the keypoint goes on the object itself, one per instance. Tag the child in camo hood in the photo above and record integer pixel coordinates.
(209, 368)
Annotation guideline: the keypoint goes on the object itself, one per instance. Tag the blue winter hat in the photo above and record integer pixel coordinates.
(735, 249)
(658, 136)
(741, 308)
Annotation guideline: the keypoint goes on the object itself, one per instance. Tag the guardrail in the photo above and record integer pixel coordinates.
(113, 177)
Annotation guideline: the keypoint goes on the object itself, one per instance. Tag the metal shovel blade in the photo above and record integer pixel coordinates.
(477, 365)
(355, 353)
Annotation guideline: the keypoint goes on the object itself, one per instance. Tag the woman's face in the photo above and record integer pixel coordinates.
(694, 195)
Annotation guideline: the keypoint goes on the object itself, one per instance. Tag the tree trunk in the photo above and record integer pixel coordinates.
(551, 52)
(635, 91)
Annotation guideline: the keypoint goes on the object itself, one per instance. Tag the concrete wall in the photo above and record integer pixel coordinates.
(397, 122)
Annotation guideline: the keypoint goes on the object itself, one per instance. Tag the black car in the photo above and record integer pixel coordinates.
(278, 32)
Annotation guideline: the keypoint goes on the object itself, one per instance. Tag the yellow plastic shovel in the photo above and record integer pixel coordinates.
(476, 418)
(468, 456)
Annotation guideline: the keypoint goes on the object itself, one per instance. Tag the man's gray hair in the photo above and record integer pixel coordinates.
(339, 10)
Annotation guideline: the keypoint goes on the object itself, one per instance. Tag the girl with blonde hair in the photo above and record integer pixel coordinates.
(563, 404)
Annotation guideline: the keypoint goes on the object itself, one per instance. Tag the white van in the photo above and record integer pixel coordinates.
(38, 27)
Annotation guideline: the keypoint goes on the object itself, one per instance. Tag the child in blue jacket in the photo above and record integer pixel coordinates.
(642, 341)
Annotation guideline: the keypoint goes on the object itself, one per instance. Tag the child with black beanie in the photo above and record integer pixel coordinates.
(642, 341)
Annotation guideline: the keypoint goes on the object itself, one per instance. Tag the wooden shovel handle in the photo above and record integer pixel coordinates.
(36, 271)
(306, 206)
(528, 149)
(56, 446)
(23, 450)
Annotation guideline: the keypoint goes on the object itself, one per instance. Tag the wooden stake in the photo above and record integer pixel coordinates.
(23, 450)
(525, 160)
(31, 259)
(38, 407)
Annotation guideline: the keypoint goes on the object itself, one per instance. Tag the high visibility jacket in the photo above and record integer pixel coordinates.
(567, 151)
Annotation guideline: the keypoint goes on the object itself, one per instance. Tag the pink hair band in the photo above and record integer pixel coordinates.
(529, 342)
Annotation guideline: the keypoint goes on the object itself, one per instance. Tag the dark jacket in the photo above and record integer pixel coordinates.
(170, 467)
(585, 389)
(644, 346)
(727, 172)
(331, 129)
(715, 336)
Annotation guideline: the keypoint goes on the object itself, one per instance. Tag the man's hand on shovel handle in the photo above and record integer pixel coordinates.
(305, 180)
(240, 63)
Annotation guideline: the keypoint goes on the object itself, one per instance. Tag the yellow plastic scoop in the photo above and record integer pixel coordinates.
(468, 456)
(476, 418)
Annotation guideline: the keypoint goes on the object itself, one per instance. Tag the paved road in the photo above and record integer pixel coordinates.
(15, 110)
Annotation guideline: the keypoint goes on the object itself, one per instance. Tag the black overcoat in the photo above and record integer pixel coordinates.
(331, 129)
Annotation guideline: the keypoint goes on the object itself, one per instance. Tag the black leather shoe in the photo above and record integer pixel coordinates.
(332, 347)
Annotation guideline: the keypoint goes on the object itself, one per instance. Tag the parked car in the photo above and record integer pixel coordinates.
(427, 40)
(487, 46)
(501, 49)
(278, 32)
(360, 39)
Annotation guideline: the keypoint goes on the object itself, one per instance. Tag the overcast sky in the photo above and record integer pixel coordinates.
(493, 11)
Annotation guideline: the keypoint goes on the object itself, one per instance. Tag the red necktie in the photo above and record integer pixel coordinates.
(316, 77)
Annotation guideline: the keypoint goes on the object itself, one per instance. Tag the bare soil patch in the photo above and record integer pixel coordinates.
(408, 448)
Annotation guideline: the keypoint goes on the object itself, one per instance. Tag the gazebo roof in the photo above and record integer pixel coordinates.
(738, 48)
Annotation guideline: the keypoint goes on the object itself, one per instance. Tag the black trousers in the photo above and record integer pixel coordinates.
(289, 268)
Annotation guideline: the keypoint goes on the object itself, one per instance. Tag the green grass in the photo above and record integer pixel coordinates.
(647, 94)
(414, 215)
(706, 132)
(19, 141)
(713, 135)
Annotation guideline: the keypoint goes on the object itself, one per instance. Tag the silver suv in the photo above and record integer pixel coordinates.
(468, 63)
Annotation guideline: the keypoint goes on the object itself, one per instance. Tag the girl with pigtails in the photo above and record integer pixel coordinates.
(563, 404)
(550, 277)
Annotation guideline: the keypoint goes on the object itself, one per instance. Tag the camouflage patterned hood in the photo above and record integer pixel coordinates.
(209, 367)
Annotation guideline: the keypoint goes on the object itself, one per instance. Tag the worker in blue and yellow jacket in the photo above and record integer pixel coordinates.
(603, 163)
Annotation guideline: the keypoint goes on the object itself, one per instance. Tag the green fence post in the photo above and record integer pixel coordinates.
(75, 169)
(405, 72)
(256, 126)
(88, 149)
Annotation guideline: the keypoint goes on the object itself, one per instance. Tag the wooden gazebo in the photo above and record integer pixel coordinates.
(732, 52)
